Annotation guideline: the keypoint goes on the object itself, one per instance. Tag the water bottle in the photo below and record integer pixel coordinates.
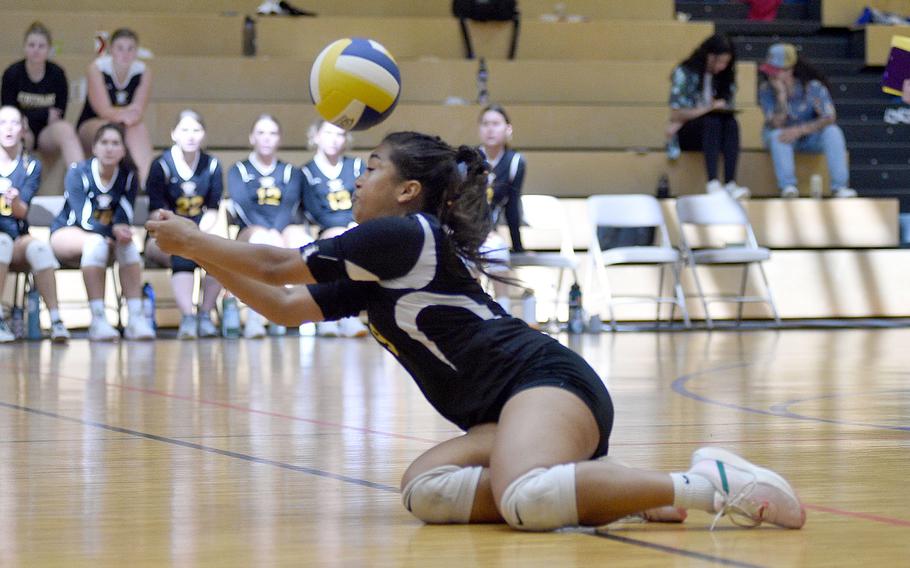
(815, 186)
(529, 307)
(230, 317)
(483, 94)
(148, 305)
(33, 304)
(16, 321)
(249, 37)
(663, 187)
(576, 316)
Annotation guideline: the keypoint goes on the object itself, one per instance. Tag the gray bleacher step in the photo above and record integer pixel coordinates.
(874, 154)
(821, 47)
(880, 176)
(740, 27)
(858, 131)
(865, 86)
(866, 110)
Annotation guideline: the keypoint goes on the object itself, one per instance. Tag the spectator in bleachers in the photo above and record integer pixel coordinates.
(39, 89)
(702, 104)
(20, 175)
(118, 92)
(800, 117)
(189, 182)
(266, 193)
(328, 184)
(507, 174)
(96, 218)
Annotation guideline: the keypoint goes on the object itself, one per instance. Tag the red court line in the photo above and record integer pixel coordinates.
(866, 516)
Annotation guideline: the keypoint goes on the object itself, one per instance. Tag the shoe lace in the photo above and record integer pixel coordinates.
(740, 509)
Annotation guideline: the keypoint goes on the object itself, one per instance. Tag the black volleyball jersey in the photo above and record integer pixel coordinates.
(463, 350)
(188, 189)
(92, 206)
(267, 199)
(120, 94)
(35, 99)
(506, 178)
(24, 175)
(327, 195)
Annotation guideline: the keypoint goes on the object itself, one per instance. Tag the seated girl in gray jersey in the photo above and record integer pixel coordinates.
(536, 415)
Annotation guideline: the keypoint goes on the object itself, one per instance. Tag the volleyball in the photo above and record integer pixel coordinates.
(355, 83)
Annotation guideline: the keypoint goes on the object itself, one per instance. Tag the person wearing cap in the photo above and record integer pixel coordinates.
(701, 111)
(800, 117)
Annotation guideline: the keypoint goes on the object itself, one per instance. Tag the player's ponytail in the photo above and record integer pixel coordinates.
(454, 183)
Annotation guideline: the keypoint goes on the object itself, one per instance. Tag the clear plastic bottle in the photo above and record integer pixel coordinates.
(148, 305)
(230, 317)
(815, 186)
(576, 314)
(33, 305)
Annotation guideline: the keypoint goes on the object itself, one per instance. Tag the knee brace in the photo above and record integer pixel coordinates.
(6, 249)
(266, 238)
(127, 254)
(542, 499)
(442, 495)
(40, 256)
(180, 264)
(95, 252)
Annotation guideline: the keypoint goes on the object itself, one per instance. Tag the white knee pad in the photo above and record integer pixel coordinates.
(266, 238)
(542, 499)
(95, 252)
(6, 248)
(442, 495)
(127, 254)
(40, 256)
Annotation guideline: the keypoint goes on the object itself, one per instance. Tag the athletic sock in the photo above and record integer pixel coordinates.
(97, 307)
(691, 491)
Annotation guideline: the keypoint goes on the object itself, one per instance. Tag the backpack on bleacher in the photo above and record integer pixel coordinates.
(485, 10)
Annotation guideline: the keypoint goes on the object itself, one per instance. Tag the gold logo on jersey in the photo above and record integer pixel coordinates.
(383, 341)
(189, 206)
(6, 208)
(339, 200)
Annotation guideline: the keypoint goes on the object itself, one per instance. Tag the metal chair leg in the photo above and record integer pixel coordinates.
(680, 298)
(742, 294)
(660, 291)
(701, 294)
(761, 270)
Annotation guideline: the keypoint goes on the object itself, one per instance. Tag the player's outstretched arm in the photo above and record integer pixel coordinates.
(271, 265)
(284, 306)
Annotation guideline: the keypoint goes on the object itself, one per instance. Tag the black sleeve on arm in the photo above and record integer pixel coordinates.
(9, 91)
(62, 90)
(340, 299)
(154, 187)
(381, 249)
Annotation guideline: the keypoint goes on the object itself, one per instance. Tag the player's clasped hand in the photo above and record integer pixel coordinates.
(172, 232)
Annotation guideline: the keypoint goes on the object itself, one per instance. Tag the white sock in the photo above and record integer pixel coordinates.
(55, 314)
(692, 491)
(134, 308)
(97, 308)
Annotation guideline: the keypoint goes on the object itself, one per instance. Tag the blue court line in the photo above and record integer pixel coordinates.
(209, 449)
(677, 551)
(777, 410)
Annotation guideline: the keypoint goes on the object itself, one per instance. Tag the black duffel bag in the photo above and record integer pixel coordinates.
(485, 10)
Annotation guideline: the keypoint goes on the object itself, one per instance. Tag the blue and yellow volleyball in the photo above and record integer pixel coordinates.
(355, 83)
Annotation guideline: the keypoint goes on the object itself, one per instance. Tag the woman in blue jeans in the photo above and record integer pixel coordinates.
(800, 117)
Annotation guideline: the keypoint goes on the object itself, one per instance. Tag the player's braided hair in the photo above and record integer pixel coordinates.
(454, 182)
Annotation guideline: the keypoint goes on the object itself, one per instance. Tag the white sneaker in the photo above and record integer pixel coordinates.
(789, 192)
(744, 490)
(254, 328)
(6, 334)
(207, 326)
(714, 186)
(328, 329)
(187, 329)
(101, 330)
(59, 333)
(844, 192)
(276, 330)
(269, 7)
(139, 330)
(307, 329)
(737, 191)
(352, 327)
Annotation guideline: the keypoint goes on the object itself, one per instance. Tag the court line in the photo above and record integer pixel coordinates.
(677, 551)
(200, 447)
(867, 516)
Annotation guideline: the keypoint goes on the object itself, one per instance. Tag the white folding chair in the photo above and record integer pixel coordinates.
(546, 213)
(634, 211)
(720, 209)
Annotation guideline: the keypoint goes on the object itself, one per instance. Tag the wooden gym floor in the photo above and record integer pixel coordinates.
(289, 451)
